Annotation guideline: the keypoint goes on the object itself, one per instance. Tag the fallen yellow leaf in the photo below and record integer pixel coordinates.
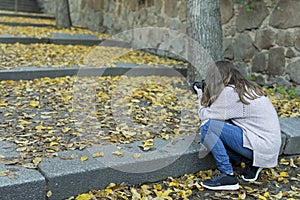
(83, 158)
(118, 153)
(37, 160)
(53, 144)
(137, 155)
(3, 104)
(98, 154)
(83, 197)
(34, 103)
(49, 194)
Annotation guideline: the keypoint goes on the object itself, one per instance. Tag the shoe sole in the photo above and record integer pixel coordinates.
(252, 179)
(223, 187)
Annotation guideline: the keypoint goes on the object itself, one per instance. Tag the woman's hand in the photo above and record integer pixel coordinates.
(199, 92)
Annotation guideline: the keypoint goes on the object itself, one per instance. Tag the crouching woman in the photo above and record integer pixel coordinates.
(239, 123)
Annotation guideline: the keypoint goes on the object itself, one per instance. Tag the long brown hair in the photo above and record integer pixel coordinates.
(222, 74)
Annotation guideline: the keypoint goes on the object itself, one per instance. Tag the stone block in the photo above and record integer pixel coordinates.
(228, 48)
(7, 150)
(276, 61)
(21, 183)
(286, 14)
(66, 178)
(259, 63)
(171, 9)
(243, 47)
(281, 81)
(247, 20)
(285, 38)
(264, 39)
(297, 43)
(293, 69)
(290, 127)
(227, 12)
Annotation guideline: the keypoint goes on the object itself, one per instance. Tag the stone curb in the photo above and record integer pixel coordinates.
(291, 129)
(67, 178)
(9, 39)
(26, 24)
(24, 14)
(64, 39)
(28, 73)
(21, 183)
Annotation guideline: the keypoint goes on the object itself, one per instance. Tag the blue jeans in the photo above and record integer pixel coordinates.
(225, 141)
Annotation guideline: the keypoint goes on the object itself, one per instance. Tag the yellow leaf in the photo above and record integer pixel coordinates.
(136, 155)
(157, 187)
(148, 143)
(83, 158)
(53, 144)
(242, 195)
(292, 164)
(118, 153)
(7, 114)
(284, 161)
(248, 188)
(37, 160)
(98, 154)
(4, 173)
(3, 104)
(280, 179)
(83, 197)
(40, 127)
(267, 194)
(173, 184)
(284, 174)
(135, 194)
(261, 197)
(49, 194)
(34, 103)
(24, 122)
(65, 129)
(108, 191)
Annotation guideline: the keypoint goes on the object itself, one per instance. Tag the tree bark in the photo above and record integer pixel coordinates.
(63, 19)
(204, 27)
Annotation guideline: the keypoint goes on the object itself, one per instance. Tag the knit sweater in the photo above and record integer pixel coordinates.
(258, 120)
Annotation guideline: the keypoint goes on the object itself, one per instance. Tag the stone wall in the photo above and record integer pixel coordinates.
(262, 39)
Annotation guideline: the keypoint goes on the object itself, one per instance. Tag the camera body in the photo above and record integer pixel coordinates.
(199, 85)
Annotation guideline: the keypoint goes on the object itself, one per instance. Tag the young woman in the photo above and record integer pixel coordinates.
(239, 123)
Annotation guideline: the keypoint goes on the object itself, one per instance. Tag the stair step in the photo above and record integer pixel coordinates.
(26, 14)
(22, 5)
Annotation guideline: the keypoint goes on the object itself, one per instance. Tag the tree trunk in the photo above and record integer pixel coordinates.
(205, 28)
(63, 19)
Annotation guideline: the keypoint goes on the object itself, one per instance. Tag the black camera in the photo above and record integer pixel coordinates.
(199, 85)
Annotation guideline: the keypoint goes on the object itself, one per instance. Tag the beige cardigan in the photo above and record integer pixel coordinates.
(259, 121)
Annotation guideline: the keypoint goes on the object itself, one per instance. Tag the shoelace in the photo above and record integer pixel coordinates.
(217, 176)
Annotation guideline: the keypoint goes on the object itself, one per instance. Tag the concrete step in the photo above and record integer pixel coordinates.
(20, 5)
(29, 73)
(26, 14)
(290, 127)
(21, 183)
(66, 39)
